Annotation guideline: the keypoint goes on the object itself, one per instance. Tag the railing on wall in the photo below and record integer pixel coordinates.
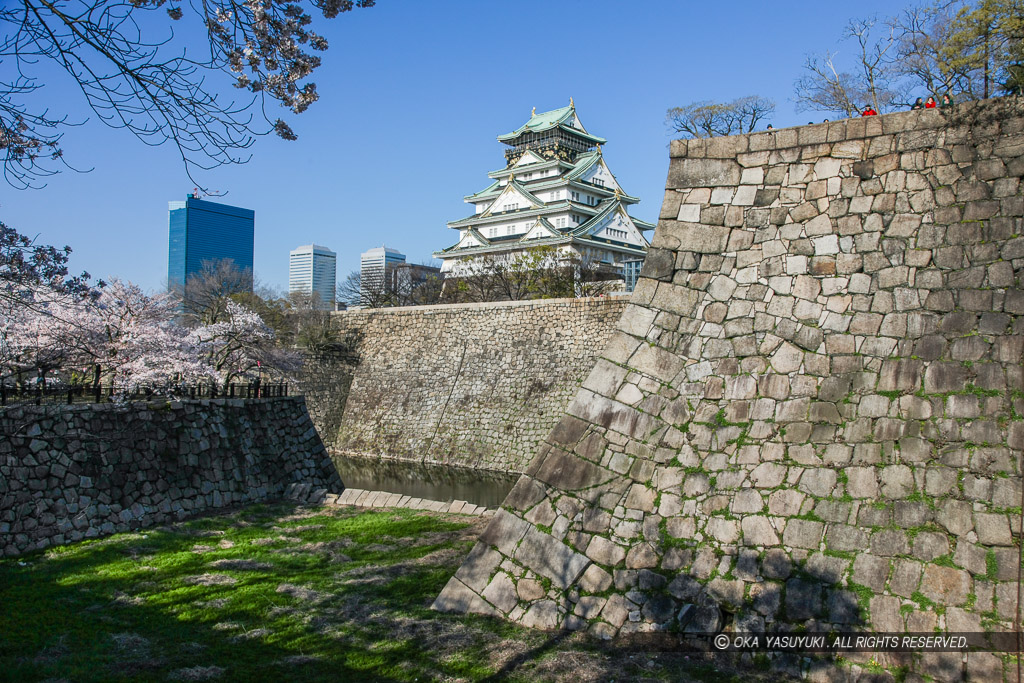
(90, 393)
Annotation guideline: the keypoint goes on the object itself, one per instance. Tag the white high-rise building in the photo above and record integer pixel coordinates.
(375, 266)
(312, 269)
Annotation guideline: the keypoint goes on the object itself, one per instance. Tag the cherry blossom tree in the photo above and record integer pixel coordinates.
(243, 345)
(126, 339)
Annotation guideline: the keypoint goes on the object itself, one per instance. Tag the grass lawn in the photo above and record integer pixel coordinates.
(282, 593)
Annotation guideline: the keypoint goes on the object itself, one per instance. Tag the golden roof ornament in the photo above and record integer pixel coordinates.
(571, 103)
(533, 112)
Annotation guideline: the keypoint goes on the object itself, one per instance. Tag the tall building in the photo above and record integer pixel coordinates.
(555, 190)
(201, 232)
(312, 269)
(375, 267)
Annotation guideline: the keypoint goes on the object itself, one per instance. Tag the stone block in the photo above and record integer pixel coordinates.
(801, 533)
(504, 531)
(694, 237)
(758, 531)
(945, 585)
(803, 599)
(657, 362)
(570, 472)
(992, 529)
(687, 172)
(551, 558)
(888, 543)
(642, 556)
(885, 614)
(905, 579)
(616, 610)
(501, 592)
(595, 580)
(605, 552)
(457, 597)
(604, 379)
(542, 615)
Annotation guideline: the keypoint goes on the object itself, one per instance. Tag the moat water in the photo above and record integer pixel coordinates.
(433, 482)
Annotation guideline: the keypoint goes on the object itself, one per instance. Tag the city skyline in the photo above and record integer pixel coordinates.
(338, 178)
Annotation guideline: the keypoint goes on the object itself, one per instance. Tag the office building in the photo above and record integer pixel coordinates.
(375, 267)
(201, 232)
(312, 269)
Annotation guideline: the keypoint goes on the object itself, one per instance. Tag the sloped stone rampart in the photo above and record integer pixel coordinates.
(812, 412)
(84, 471)
(477, 385)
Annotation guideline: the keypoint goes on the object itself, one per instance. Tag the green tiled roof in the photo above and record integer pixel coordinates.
(493, 188)
(496, 245)
(529, 168)
(583, 163)
(552, 207)
(556, 118)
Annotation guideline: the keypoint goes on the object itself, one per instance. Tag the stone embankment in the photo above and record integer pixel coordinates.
(73, 472)
(812, 413)
(475, 385)
(306, 494)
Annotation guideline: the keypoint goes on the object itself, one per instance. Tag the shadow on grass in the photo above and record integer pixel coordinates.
(149, 605)
(549, 644)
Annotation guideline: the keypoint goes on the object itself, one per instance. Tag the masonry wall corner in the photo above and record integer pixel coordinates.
(811, 412)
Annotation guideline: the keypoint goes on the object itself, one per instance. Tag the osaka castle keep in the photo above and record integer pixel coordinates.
(555, 190)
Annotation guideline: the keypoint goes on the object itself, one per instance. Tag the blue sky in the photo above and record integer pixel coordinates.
(413, 95)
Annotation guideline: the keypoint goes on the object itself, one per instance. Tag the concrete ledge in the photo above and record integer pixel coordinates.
(382, 499)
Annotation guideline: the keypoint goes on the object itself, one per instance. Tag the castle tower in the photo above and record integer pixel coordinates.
(555, 190)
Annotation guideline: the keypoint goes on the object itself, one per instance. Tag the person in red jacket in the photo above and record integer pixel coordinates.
(869, 111)
(930, 103)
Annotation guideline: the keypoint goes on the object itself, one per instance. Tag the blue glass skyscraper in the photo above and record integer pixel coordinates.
(202, 232)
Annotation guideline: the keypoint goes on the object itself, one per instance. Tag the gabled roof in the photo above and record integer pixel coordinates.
(583, 163)
(590, 229)
(493, 188)
(541, 225)
(475, 234)
(510, 188)
(604, 208)
(524, 160)
(556, 118)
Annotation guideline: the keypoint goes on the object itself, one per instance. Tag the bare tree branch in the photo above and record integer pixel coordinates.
(149, 84)
(708, 119)
(825, 87)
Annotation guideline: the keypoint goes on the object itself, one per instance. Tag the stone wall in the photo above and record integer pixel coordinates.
(478, 385)
(74, 472)
(811, 413)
